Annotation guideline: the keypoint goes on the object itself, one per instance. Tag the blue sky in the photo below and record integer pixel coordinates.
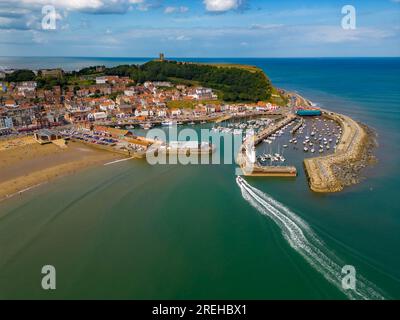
(200, 28)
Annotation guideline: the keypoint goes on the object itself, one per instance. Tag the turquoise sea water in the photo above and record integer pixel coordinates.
(137, 231)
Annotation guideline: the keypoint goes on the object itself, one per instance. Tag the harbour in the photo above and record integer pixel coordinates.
(360, 224)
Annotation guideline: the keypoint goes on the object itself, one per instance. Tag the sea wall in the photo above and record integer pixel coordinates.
(333, 172)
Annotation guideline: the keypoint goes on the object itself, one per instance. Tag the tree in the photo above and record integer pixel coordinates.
(21, 75)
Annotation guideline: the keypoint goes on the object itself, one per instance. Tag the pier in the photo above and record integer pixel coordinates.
(270, 130)
(250, 168)
(269, 171)
(224, 118)
(297, 127)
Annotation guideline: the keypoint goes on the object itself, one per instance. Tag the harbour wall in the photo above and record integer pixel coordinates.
(320, 170)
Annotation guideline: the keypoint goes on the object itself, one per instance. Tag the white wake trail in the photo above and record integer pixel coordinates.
(301, 238)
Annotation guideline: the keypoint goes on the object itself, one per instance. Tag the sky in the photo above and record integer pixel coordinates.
(199, 28)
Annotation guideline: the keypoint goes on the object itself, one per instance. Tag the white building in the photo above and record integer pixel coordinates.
(203, 94)
(162, 113)
(107, 105)
(130, 92)
(176, 112)
(25, 86)
(97, 116)
(101, 80)
(162, 84)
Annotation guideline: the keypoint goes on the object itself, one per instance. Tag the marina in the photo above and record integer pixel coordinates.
(251, 165)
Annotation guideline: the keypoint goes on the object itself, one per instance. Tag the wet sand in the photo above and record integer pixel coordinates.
(25, 164)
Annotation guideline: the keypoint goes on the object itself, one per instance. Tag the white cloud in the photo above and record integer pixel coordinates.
(26, 14)
(169, 10)
(222, 5)
(90, 6)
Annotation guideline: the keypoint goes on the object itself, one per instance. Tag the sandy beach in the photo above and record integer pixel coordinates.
(25, 164)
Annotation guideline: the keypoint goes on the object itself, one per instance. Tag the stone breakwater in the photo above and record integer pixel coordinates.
(354, 152)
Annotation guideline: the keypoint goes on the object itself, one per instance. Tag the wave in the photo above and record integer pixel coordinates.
(302, 239)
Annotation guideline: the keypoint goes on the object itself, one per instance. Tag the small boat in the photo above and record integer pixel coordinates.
(312, 150)
(167, 123)
(305, 149)
(285, 145)
(192, 123)
(146, 126)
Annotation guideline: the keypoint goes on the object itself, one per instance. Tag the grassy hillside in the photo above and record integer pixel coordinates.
(232, 83)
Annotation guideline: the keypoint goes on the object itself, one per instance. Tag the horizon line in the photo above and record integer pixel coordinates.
(249, 57)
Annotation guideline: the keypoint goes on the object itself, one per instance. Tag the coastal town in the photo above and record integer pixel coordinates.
(26, 107)
(101, 112)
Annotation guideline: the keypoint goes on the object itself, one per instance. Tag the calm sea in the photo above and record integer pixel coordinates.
(137, 231)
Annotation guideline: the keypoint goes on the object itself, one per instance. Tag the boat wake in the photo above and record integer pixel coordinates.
(302, 239)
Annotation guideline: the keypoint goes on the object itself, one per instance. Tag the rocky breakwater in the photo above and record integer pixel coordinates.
(353, 153)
